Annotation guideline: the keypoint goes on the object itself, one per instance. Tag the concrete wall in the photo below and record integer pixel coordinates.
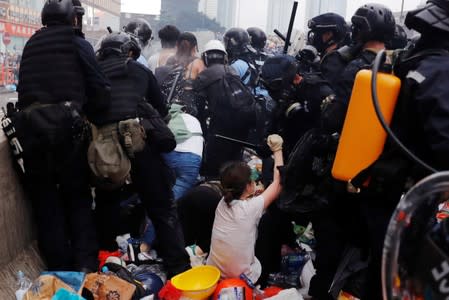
(17, 249)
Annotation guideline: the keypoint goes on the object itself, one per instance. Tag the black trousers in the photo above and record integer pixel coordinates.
(152, 180)
(275, 229)
(377, 212)
(219, 152)
(196, 211)
(57, 183)
(330, 244)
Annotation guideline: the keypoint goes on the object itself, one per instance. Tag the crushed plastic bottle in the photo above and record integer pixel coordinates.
(23, 284)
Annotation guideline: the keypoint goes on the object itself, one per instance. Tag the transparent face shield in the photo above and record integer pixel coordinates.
(415, 256)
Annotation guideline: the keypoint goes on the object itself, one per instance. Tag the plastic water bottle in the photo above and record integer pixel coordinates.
(23, 284)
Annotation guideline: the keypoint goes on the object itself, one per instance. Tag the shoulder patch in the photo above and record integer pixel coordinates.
(416, 76)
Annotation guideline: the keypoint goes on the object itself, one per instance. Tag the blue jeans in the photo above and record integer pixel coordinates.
(186, 166)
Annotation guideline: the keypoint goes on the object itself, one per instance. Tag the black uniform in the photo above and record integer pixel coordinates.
(209, 85)
(421, 122)
(59, 79)
(339, 223)
(331, 67)
(292, 125)
(133, 83)
(334, 114)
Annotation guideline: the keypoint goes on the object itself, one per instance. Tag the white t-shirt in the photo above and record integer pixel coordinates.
(153, 62)
(142, 61)
(234, 237)
(193, 144)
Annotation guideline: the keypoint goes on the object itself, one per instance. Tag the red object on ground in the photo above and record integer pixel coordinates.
(269, 292)
(231, 283)
(169, 292)
(103, 255)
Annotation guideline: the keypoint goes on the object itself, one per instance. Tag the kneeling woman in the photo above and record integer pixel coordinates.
(237, 216)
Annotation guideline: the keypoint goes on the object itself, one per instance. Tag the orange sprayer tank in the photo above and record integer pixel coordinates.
(363, 138)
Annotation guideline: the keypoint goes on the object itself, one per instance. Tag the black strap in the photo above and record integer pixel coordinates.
(364, 174)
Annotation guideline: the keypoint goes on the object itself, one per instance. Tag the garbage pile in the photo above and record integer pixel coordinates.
(134, 272)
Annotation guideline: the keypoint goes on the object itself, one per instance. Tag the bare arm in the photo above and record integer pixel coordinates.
(274, 189)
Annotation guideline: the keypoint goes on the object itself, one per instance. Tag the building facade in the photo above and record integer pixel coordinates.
(227, 15)
(209, 8)
(317, 7)
(19, 19)
(279, 13)
(99, 15)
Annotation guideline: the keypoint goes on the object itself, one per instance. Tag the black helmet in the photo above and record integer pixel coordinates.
(325, 23)
(120, 43)
(141, 29)
(61, 12)
(433, 16)
(258, 37)
(416, 251)
(277, 75)
(399, 40)
(236, 41)
(373, 22)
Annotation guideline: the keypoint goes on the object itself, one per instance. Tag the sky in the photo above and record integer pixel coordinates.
(394, 5)
(142, 6)
(255, 12)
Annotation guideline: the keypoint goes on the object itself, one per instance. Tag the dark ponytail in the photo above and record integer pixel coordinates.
(185, 44)
(234, 178)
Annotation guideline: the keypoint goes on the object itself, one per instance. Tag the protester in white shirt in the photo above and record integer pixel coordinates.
(236, 218)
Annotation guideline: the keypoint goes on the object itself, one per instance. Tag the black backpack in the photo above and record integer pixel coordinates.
(308, 185)
(235, 101)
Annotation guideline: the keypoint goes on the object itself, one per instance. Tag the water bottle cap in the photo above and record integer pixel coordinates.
(105, 269)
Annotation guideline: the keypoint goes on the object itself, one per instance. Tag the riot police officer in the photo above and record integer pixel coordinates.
(59, 80)
(298, 98)
(298, 113)
(141, 29)
(209, 85)
(329, 32)
(258, 41)
(134, 87)
(373, 25)
(237, 42)
(420, 121)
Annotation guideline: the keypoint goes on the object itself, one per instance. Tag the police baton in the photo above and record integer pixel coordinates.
(238, 142)
(290, 27)
(281, 36)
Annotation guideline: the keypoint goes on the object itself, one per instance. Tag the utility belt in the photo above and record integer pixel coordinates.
(390, 175)
(42, 126)
(110, 150)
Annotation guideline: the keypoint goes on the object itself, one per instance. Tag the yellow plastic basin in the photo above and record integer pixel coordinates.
(198, 283)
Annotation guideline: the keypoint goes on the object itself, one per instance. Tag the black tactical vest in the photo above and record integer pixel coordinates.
(50, 70)
(124, 95)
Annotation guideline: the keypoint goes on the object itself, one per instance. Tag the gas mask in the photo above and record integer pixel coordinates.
(279, 90)
(315, 38)
(285, 94)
